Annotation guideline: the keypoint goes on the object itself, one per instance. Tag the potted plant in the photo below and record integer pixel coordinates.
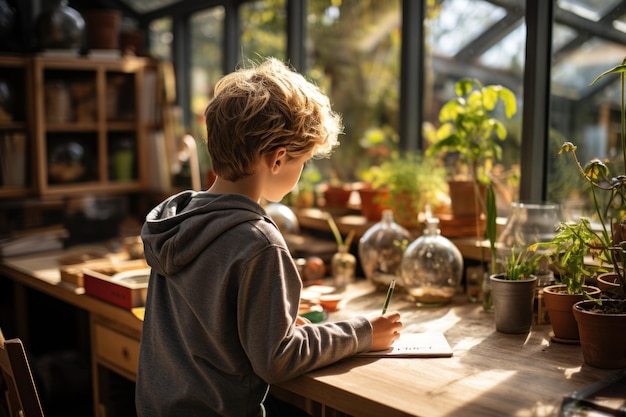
(513, 292)
(336, 195)
(407, 184)
(602, 322)
(567, 252)
(471, 132)
(343, 263)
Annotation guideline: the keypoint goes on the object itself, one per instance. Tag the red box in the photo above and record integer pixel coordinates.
(126, 289)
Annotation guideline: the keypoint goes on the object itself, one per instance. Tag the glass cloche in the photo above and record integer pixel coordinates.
(381, 249)
(432, 267)
(529, 223)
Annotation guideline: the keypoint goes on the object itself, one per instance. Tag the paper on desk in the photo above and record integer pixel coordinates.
(415, 345)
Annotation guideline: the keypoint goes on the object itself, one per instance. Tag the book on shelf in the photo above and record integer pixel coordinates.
(13, 148)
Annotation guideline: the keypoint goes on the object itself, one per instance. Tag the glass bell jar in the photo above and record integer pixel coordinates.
(432, 267)
(381, 249)
(59, 26)
(529, 223)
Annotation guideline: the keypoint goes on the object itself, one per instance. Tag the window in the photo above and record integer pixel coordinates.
(353, 52)
(587, 116)
(477, 39)
(354, 56)
(206, 63)
(263, 30)
(161, 38)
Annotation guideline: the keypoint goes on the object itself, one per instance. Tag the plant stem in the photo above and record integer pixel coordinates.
(334, 229)
(622, 78)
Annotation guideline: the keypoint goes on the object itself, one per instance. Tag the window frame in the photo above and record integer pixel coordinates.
(539, 17)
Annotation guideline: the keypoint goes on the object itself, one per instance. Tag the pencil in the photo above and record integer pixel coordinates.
(392, 285)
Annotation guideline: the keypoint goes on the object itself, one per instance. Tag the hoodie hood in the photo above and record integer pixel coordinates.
(180, 228)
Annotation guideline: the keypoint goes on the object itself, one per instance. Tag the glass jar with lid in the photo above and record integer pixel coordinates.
(529, 223)
(432, 267)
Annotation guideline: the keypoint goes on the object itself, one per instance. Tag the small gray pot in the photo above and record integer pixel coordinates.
(513, 303)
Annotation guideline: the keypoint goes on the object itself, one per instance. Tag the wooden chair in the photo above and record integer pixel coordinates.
(21, 395)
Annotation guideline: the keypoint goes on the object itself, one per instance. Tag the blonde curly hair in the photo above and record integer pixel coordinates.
(257, 110)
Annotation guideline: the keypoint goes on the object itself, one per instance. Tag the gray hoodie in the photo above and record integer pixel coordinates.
(220, 314)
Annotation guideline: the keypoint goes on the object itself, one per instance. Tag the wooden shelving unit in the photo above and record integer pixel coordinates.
(90, 134)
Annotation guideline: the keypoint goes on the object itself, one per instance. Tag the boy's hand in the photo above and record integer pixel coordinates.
(385, 330)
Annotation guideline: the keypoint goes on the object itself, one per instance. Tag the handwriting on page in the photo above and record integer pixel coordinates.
(417, 345)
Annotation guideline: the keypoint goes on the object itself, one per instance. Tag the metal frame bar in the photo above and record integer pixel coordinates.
(536, 113)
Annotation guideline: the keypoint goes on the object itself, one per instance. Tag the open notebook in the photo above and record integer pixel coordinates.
(415, 345)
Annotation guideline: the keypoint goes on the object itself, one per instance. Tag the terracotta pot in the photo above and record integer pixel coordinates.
(336, 196)
(103, 28)
(462, 198)
(608, 282)
(513, 303)
(373, 202)
(602, 335)
(559, 305)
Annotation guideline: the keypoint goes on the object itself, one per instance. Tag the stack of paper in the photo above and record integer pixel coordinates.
(33, 241)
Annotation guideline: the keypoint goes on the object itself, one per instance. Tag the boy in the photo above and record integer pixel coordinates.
(221, 319)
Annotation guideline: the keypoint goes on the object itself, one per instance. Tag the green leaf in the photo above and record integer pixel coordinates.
(465, 86)
(475, 101)
(500, 129)
(451, 109)
(445, 131)
(615, 70)
(490, 97)
(510, 104)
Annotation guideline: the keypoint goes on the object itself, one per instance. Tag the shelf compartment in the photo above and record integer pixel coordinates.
(71, 158)
(70, 96)
(120, 97)
(16, 127)
(12, 96)
(122, 156)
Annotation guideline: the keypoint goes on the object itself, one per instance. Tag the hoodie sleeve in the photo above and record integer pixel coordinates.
(268, 303)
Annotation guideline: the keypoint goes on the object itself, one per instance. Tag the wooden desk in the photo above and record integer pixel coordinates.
(490, 374)
(114, 331)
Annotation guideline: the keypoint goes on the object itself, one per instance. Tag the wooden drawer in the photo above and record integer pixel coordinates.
(116, 348)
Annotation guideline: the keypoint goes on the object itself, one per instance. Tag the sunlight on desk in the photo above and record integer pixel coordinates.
(43, 267)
